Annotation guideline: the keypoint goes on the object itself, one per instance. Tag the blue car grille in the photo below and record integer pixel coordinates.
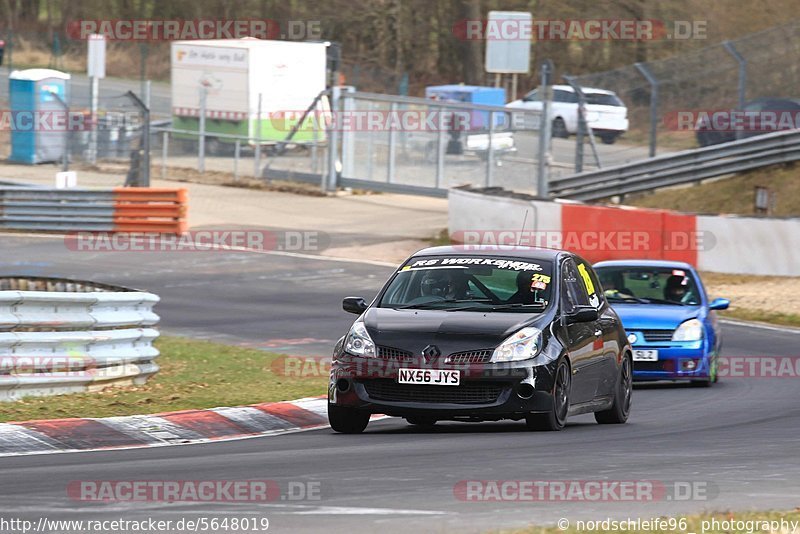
(657, 335)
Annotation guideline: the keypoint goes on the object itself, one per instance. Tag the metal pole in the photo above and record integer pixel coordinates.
(392, 146)
(742, 70)
(94, 88)
(143, 177)
(257, 158)
(201, 140)
(490, 152)
(333, 148)
(514, 84)
(65, 154)
(542, 189)
(653, 104)
(147, 90)
(164, 153)
(236, 151)
(440, 150)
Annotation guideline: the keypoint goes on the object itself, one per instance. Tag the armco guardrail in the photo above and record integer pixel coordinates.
(64, 336)
(122, 209)
(681, 167)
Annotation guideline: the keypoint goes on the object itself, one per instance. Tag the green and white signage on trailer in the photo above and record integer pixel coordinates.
(232, 73)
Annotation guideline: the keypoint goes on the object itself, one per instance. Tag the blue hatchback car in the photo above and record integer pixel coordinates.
(668, 317)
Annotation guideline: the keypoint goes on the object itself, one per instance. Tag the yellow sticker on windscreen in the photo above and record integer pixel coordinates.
(587, 280)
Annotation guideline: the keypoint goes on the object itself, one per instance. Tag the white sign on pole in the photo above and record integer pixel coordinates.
(508, 36)
(96, 61)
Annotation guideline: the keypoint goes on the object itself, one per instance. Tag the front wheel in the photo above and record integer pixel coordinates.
(556, 418)
(347, 420)
(619, 411)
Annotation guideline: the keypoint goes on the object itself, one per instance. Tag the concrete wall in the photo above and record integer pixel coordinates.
(727, 244)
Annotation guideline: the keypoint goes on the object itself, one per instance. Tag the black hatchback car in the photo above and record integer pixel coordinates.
(483, 334)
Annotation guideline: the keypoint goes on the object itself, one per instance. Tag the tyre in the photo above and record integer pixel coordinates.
(556, 418)
(559, 128)
(705, 383)
(619, 411)
(347, 420)
(608, 139)
(423, 422)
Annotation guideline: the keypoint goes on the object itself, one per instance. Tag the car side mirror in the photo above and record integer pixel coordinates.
(719, 304)
(582, 314)
(355, 305)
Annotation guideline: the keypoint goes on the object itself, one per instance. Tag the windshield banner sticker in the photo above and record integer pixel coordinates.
(459, 262)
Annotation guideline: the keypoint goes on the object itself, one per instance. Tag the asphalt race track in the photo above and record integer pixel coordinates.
(738, 439)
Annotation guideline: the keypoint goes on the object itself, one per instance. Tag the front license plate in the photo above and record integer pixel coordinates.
(645, 355)
(433, 377)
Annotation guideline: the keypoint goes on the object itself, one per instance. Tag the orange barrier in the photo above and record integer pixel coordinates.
(148, 209)
(608, 233)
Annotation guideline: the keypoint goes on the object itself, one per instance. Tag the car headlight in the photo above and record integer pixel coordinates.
(358, 341)
(522, 345)
(691, 330)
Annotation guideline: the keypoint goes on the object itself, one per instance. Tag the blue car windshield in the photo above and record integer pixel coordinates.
(648, 285)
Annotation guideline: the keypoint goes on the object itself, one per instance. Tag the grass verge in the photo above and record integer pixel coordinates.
(734, 195)
(707, 523)
(194, 374)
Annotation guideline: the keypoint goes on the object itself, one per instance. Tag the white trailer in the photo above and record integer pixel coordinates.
(233, 73)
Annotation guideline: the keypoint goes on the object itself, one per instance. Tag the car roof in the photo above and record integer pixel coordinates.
(644, 263)
(528, 253)
(585, 89)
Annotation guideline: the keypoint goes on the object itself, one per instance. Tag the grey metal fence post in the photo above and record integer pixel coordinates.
(201, 140)
(143, 178)
(65, 155)
(742, 70)
(333, 142)
(653, 104)
(392, 146)
(236, 151)
(257, 157)
(490, 152)
(440, 149)
(544, 131)
(164, 153)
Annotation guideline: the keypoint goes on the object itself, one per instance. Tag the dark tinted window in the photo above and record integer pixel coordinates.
(560, 95)
(603, 99)
(574, 289)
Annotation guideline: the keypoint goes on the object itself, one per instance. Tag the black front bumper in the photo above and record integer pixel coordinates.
(486, 391)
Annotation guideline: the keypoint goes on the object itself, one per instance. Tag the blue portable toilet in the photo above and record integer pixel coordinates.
(30, 95)
(472, 94)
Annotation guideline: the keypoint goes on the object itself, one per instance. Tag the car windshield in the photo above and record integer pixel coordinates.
(602, 99)
(464, 283)
(648, 285)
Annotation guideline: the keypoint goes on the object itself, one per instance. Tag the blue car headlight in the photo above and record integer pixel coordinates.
(691, 330)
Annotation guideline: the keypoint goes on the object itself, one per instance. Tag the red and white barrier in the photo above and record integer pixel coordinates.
(727, 244)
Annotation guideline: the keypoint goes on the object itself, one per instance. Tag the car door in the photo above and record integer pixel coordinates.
(565, 105)
(607, 344)
(580, 337)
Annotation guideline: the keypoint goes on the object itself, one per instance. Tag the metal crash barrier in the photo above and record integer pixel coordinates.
(65, 336)
(122, 209)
